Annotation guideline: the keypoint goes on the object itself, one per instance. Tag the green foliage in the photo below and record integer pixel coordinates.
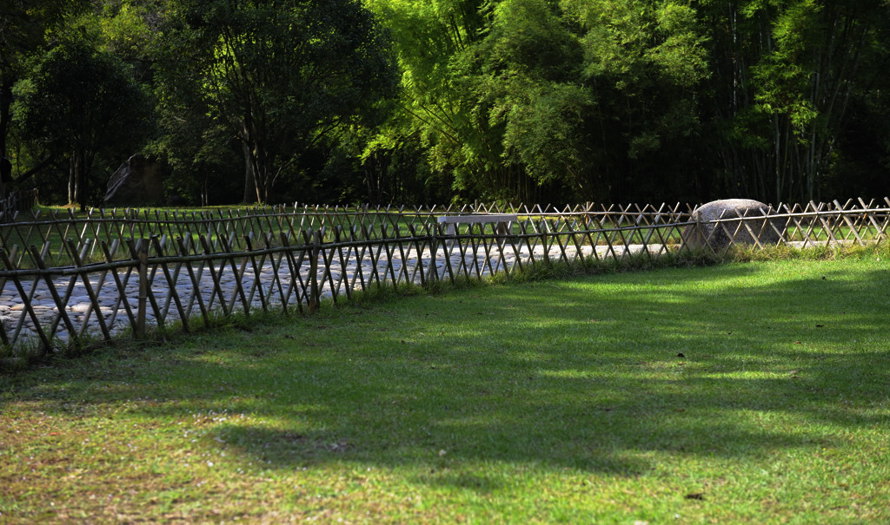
(530, 78)
(280, 75)
(436, 45)
(799, 65)
(609, 100)
(542, 128)
(24, 26)
(681, 54)
(532, 100)
(83, 104)
(517, 109)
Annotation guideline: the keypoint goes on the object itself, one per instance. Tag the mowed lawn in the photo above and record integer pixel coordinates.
(750, 392)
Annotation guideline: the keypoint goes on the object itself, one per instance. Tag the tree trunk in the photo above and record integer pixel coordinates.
(205, 189)
(78, 179)
(262, 182)
(72, 179)
(262, 173)
(249, 195)
(86, 167)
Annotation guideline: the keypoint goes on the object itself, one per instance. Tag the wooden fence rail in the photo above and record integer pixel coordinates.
(51, 231)
(68, 280)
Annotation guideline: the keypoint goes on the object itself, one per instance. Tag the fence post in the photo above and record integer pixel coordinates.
(433, 272)
(142, 260)
(314, 250)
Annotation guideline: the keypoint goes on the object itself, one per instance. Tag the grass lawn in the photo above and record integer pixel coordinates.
(750, 392)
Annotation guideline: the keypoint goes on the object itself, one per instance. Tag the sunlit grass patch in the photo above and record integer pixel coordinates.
(738, 393)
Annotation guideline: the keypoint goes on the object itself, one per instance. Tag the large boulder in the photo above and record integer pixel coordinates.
(137, 182)
(757, 228)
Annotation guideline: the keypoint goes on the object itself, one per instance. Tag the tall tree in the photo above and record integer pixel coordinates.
(82, 103)
(531, 77)
(644, 62)
(805, 83)
(437, 44)
(281, 74)
(24, 25)
(580, 97)
(786, 72)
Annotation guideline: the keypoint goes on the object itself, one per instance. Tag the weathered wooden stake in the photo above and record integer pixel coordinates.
(314, 250)
(142, 260)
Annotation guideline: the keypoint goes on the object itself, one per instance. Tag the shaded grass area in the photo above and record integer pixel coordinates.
(745, 392)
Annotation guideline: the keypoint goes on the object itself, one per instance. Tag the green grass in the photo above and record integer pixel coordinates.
(750, 392)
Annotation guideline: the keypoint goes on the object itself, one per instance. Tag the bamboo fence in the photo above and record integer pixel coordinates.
(66, 279)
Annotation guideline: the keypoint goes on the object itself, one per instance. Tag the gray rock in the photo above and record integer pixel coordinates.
(758, 229)
(137, 182)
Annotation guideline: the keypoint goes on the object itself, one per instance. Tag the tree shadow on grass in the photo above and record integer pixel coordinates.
(561, 374)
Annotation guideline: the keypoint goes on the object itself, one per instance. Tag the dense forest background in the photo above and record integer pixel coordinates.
(434, 101)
